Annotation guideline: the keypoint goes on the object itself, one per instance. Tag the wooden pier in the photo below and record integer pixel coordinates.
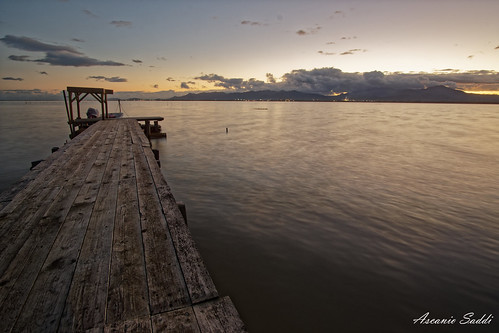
(92, 240)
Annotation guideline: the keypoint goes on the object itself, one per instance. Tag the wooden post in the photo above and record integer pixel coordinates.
(156, 156)
(183, 211)
(78, 104)
(73, 129)
(35, 163)
(104, 96)
(67, 113)
(104, 114)
(147, 129)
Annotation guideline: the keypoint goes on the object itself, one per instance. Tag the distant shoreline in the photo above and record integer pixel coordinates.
(276, 101)
(435, 94)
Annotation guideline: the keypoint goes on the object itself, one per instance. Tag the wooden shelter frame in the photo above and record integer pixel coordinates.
(78, 94)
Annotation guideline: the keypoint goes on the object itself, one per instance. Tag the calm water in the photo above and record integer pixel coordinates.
(323, 217)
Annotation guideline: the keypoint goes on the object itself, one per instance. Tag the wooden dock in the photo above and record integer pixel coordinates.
(92, 240)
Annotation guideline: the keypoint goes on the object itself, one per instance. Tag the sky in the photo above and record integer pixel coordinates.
(153, 48)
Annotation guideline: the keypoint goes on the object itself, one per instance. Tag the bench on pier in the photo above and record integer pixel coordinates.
(77, 124)
(152, 131)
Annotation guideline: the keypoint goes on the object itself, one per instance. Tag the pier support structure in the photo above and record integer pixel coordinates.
(78, 94)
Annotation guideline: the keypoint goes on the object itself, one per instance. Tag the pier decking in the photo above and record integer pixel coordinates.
(91, 240)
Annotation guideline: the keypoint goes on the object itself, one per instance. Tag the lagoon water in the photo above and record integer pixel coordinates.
(323, 217)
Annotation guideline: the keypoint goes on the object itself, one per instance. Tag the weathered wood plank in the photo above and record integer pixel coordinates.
(177, 321)
(45, 303)
(139, 325)
(86, 303)
(198, 280)
(9, 194)
(20, 215)
(45, 171)
(22, 227)
(138, 136)
(103, 247)
(89, 90)
(166, 284)
(23, 268)
(128, 294)
(219, 315)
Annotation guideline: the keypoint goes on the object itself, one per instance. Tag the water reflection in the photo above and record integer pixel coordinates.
(319, 217)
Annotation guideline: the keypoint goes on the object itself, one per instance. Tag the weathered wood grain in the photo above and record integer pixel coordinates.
(138, 136)
(198, 280)
(85, 306)
(94, 242)
(22, 270)
(166, 284)
(46, 170)
(219, 315)
(177, 321)
(44, 306)
(20, 215)
(128, 293)
(139, 325)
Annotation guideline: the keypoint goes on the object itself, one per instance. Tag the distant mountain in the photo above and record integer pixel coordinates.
(437, 94)
(264, 95)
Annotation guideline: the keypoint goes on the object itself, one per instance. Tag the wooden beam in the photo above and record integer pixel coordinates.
(89, 90)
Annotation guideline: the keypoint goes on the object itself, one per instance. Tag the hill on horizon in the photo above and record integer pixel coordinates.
(435, 94)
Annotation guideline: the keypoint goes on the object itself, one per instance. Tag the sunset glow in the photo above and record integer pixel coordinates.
(170, 48)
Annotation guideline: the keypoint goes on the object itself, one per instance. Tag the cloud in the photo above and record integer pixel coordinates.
(161, 58)
(170, 79)
(120, 24)
(496, 48)
(19, 58)
(253, 23)
(56, 55)
(326, 53)
(337, 13)
(137, 61)
(78, 40)
(471, 56)
(89, 13)
(30, 44)
(186, 85)
(69, 59)
(270, 78)
(156, 86)
(10, 78)
(331, 80)
(327, 80)
(310, 31)
(44, 73)
(233, 83)
(108, 79)
(353, 51)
